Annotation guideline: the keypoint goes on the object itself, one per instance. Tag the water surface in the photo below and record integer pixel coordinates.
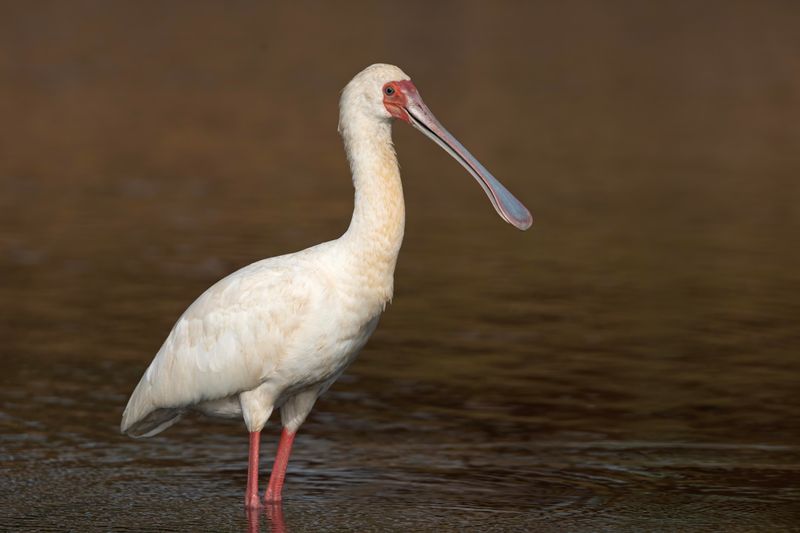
(630, 363)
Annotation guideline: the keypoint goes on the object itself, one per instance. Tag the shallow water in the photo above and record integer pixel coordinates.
(630, 363)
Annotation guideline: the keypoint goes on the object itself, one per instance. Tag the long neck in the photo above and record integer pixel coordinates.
(376, 229)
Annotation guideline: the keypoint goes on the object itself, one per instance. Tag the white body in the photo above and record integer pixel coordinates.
(277, 333)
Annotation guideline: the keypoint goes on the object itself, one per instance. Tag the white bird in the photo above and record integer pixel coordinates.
(279, 332)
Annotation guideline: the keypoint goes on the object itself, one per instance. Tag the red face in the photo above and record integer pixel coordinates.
(395, 98)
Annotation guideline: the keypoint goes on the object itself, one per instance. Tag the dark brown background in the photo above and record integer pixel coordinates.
(630, 362)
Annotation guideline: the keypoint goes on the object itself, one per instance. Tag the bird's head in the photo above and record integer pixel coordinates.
(384, 92)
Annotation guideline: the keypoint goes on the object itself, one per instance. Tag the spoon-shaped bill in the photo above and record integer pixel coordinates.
(507, 206)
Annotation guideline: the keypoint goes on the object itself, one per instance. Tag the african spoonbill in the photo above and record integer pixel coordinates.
(279, 332)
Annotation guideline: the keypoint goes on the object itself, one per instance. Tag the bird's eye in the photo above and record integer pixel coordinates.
(389, 90)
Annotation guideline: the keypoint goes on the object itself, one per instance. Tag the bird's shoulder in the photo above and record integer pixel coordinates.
(286, 280)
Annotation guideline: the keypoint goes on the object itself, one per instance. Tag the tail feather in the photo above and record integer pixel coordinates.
(144, 419)
(153, 423)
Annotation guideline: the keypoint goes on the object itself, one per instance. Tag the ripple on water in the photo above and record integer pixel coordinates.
(397, 478)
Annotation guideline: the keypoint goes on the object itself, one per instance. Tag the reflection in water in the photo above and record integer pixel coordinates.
(274, 511)
(631, 363)
(253, 519)
(274, 514)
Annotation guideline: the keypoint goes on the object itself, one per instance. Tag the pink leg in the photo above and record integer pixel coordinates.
(251, 496)
(279, 469)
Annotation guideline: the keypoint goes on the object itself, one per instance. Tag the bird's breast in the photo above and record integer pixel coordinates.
(331, 338)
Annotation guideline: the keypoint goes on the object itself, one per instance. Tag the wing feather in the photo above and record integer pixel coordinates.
(228, 341)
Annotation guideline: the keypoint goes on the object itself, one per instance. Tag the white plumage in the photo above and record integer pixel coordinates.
(279, 326)
(277, 333)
